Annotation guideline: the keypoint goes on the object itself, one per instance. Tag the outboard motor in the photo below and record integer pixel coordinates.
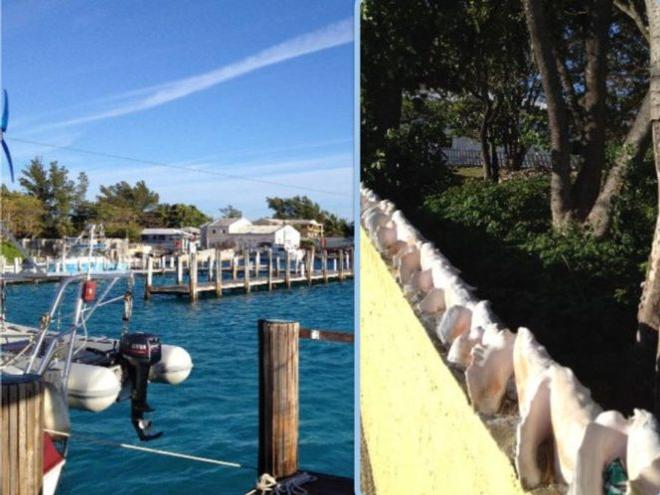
(140, 351)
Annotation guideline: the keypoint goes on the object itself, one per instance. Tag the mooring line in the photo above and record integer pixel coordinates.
(151, 451)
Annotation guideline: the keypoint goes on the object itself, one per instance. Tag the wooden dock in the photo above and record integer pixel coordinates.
(253, 269)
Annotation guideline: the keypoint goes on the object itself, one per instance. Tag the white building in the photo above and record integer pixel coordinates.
(167, 240)
(213, 233)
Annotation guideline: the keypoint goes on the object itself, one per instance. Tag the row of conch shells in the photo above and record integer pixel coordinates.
(563, 435)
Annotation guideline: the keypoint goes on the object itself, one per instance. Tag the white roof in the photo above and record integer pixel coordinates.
(163, 231)
(286, 221)
(225, 222)
(258, 229)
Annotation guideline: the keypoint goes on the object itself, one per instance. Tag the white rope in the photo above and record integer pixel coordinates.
(265, 484)
(148, 450)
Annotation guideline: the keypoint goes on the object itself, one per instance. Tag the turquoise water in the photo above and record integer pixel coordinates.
(214, 413)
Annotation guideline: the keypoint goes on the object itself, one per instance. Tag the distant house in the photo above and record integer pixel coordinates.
(253, 236)
(212, 233)
(167, 240)
(309, 229)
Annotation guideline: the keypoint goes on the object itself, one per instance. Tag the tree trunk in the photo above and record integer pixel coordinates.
(483, 137)
(494, 163)
(587, 184)
(635, 145)
(560, 183)
(648, 315)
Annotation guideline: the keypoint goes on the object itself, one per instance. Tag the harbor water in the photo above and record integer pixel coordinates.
(214, 413)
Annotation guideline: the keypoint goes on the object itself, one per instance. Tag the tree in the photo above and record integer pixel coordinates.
(60, 196)
(22, 214)
(178, 215)
(579, 53)
(649, 309)
(230, 212)
(124, 209)
(304, 208)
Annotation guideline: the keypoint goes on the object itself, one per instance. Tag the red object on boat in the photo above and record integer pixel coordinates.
(51, 456)
(89, 291)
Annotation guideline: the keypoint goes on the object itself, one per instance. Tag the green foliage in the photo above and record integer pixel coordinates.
(9, 252)
(21, 213)
(304, 208)
(513, 210)
(230, 212)
(178, 215)
(61, 197)
(411, 163)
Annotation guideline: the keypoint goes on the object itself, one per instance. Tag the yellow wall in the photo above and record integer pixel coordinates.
(421, 434)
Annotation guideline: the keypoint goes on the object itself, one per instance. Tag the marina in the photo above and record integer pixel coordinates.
(221, 431)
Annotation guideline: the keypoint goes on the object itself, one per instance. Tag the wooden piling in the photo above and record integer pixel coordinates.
(270, 269)
(341, 264)
(210, 262)
(162, 264)
(257, 263)
(22, 439)
(150, 278)
(287, 270)
(179, 270)
(17, 265)
(277, 266)
(192, 272)
(246, 255)
(234, 267)
(324, 265)
(278, 398)
(218, 273)
(310, 266)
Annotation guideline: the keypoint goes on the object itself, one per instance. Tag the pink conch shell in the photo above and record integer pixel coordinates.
(490, 369)
(460, 350)
(458, 293)
(422, 281)
(408, 264)
(385, 236)
(433, 302)
(455, 321)
(643, 454)
(604, 440)
(534, 430)
(530, 359)
(571, 410)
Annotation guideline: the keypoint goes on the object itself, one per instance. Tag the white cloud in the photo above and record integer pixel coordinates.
(333, 35)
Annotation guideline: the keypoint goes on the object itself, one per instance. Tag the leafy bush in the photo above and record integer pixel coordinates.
(9, 252)
(411, 164)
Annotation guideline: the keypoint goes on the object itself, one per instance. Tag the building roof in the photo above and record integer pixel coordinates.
(287, 221)
(225, 222)
(164, 231)
(259, 229)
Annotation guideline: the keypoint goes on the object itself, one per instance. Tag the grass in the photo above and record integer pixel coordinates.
(9, 252)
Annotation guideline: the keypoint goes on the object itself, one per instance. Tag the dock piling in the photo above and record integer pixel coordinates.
(341, 264)
(234, 267)
(179, 270)
(22, 441)
(278, 397)
(246, 256)
(150, 278)
(192, 273)
(218, 273)
(287, 270)
(324, 265)
(270, 269)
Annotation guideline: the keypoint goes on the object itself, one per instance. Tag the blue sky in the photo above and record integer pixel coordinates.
(245, 88)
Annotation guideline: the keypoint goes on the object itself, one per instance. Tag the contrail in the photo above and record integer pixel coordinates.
(335, 34)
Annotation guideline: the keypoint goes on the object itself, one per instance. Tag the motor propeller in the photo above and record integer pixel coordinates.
(3, 129)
